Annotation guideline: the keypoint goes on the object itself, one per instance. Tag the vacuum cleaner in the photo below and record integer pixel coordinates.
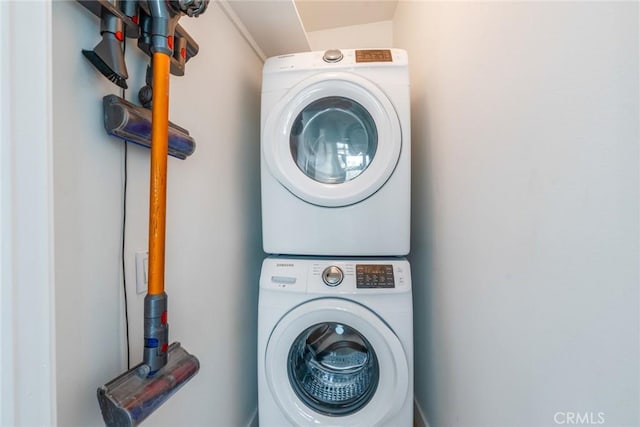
(131, 397)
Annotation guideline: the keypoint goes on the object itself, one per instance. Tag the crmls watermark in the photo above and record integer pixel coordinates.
(579, 418)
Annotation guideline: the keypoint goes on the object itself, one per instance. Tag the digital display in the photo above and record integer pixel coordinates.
(374, 55)
(372, 276)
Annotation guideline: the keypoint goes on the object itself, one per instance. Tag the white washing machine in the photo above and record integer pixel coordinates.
(335, 343)
(335, 168)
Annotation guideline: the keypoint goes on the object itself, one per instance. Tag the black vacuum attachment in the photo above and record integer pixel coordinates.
(108, 56)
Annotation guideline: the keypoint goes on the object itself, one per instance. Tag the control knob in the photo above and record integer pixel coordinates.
(332, 55)
(332, 276)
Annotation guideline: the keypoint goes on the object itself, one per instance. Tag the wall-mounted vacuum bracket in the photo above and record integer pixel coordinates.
(148, 21)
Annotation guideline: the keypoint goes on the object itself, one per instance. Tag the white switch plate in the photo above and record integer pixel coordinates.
(142, 271)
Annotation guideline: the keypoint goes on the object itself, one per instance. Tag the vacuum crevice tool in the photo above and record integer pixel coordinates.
(108, 56)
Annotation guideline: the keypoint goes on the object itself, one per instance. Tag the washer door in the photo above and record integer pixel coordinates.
(333, 362)
(333, 140)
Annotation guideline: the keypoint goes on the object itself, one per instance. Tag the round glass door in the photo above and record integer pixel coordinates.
(333, 140)
(333, 369)
(337, 363)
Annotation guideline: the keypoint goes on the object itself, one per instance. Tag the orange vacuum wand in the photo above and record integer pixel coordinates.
(164, 15)
(158, 185)
(156, 328)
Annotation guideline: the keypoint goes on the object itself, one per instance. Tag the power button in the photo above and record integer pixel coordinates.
(332, 276)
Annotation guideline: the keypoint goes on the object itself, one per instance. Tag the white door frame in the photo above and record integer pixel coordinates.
(27, 298)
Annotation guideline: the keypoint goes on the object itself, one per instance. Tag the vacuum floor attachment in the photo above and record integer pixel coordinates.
(130, 398)
(133, 123)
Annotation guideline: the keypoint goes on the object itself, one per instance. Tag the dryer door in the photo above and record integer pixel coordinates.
(333, 362)
(333, 140)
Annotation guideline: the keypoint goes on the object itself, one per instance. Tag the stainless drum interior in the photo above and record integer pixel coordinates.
(333, 369)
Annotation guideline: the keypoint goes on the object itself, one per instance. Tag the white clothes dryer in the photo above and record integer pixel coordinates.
(335, 343)
(335, 163)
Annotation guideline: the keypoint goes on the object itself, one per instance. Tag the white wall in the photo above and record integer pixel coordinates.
(213, 237)
(373, 35)
(525, 210)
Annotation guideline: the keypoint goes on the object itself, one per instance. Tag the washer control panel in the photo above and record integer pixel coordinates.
(372, 276)
(332, 276)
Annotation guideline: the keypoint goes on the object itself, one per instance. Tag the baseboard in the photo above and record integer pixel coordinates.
(419, 420)
(253, 422)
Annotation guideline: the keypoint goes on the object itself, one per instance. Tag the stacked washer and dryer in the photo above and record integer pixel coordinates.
(335, 322)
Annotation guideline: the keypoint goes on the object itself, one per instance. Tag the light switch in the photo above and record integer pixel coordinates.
(142, 269)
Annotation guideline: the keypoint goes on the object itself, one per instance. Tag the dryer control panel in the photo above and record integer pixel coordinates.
(336, 276)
